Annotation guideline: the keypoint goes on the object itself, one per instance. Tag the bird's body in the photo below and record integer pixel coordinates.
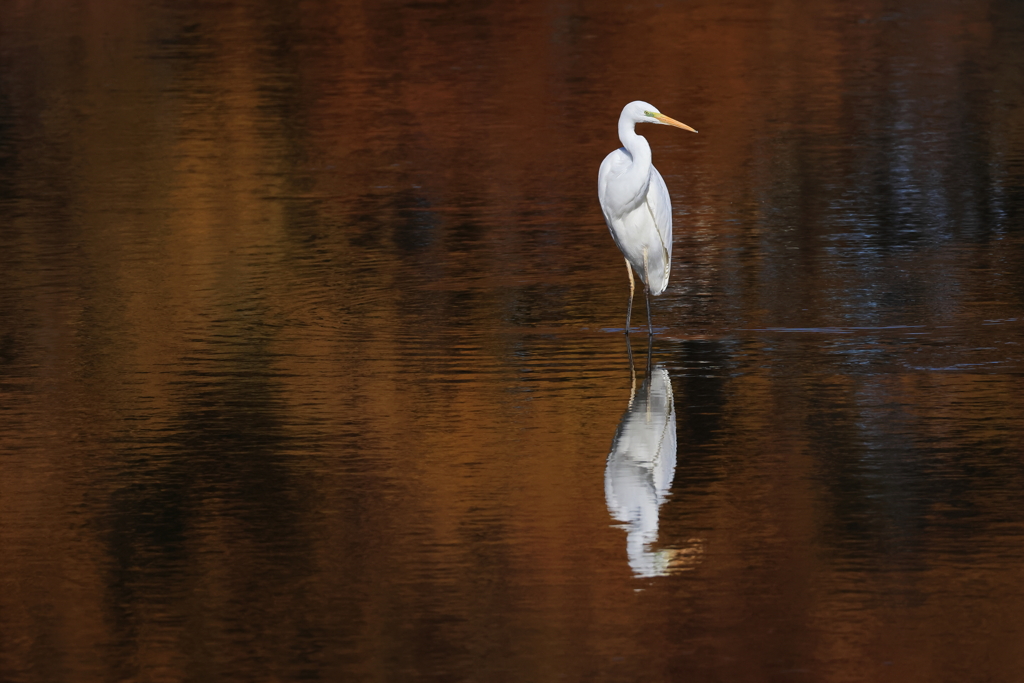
(641, 222)
(636, 204)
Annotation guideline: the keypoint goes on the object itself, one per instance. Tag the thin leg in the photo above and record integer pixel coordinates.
(629, 308)
(647, 295)
(632, 372)
(650, 347)
(647, 376)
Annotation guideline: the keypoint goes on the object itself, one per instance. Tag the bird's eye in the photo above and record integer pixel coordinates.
(650, 113)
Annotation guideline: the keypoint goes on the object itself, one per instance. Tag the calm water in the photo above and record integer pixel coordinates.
(311, 363)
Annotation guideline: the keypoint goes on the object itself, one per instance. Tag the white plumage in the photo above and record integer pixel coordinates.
(636, 204)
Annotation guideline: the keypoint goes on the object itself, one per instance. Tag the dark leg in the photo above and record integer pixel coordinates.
(650, 347)
(632, 372)
(647, 294)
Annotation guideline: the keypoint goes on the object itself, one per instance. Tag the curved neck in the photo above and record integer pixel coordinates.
(636, 179)
(635, 144)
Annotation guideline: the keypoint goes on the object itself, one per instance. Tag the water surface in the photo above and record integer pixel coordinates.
(312, 364)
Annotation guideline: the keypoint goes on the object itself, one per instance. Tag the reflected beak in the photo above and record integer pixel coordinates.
(672, 122)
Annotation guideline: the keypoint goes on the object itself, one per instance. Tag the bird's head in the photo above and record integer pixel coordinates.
(644, 112)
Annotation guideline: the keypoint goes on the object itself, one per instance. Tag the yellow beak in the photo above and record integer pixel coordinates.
(673, 122)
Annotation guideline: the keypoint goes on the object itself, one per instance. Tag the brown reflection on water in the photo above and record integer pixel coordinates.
(305, 360)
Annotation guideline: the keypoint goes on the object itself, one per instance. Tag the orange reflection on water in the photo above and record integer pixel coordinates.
(306, 369)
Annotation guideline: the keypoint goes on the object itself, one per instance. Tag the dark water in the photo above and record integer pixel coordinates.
(311, 364)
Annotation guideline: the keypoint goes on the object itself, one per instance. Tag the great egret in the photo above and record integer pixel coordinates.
(636, 204)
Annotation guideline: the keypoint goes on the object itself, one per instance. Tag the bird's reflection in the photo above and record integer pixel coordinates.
(639, 473)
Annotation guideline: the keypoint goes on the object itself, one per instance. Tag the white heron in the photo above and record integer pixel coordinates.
(636, 204)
